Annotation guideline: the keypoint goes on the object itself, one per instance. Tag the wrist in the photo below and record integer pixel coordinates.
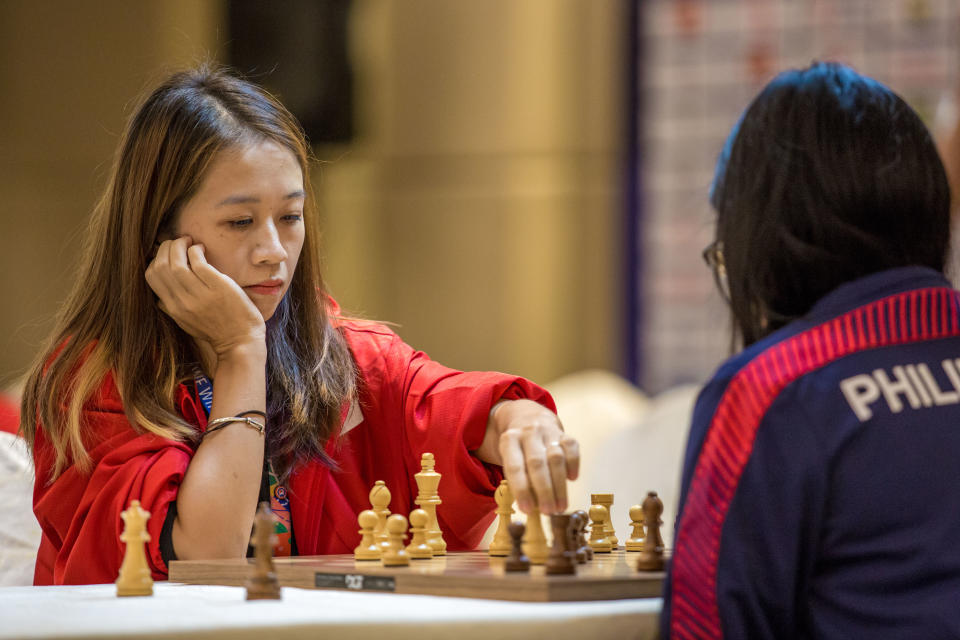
(495, 421)
(250, 350)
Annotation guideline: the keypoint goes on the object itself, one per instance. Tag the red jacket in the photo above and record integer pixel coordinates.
(410, 405)
(9, 414)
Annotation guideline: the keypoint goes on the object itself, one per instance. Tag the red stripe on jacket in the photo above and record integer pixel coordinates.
(733, 429)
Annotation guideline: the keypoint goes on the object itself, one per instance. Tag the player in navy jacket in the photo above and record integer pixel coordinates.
(821, 485)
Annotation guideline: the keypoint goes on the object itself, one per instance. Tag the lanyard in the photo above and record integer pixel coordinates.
(279, 502)
(204, 390)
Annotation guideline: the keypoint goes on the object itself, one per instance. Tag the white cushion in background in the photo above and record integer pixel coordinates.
(19, 529)
(595, 406)
(647, 456)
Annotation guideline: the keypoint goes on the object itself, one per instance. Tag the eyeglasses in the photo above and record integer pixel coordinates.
(713, 256)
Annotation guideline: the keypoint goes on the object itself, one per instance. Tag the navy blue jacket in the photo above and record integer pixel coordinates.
(821, 485)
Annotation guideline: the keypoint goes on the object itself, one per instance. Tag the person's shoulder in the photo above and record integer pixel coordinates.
(357, 329)
(371, 343)
(750, 381)
(360, 329)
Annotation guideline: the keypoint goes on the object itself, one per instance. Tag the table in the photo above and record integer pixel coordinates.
(203, 611)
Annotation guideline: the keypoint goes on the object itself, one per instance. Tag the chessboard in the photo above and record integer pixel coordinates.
(470, 574)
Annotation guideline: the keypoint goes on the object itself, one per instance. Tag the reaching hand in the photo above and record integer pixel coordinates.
(538, 457)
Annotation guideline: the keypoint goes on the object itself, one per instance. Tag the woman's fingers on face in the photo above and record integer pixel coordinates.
(515, 470)
(161, 255)
(200, 267)
(180, 265)
(155, 281)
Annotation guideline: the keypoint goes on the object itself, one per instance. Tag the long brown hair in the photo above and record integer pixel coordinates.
(110, 323)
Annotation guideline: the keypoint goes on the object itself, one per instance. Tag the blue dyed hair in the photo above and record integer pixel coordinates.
(827, 176)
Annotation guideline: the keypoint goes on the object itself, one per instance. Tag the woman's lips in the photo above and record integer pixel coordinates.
(266, 288)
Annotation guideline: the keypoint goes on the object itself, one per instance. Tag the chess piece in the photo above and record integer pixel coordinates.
(606, 499)
(582, 535)
(534, 540)
(635, 541)
(428, 499)
(262, 584)
(576, 526)
(134, 578)
(395, 555)
(368, 549)
(562, 559)
(598, 531)
(651, 558)
(500, 545)
(380, 499)
(517, 561)
(419, 548)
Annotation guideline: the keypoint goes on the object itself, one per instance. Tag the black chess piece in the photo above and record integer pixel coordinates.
(562, 559)
(651, 558)
(262, 583)
(582, 544)
(576, 523)
(517, 561)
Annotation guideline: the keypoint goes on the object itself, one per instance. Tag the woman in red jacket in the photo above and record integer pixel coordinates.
(199, 366)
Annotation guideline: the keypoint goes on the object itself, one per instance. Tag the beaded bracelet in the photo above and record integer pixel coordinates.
(220, 423)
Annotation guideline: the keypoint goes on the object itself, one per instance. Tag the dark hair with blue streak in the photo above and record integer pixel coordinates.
(827, 177)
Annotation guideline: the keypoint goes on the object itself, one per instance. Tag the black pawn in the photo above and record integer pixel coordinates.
(517, 561)
(583, 547)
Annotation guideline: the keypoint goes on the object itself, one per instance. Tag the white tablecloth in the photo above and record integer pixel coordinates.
(178, 611)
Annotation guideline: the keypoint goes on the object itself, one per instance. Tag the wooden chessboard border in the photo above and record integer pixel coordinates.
(470, 574)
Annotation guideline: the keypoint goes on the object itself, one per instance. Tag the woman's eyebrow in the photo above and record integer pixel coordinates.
(245, 199)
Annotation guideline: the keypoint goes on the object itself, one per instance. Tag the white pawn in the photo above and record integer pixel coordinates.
(635, 541)
(534, 539)
(380, 498)
(599, 541)
(419, 549)
(368, 549)
(501, 543)
(395, 555)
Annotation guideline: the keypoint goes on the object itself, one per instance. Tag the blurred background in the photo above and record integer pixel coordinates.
(519, 185)
(470, 169)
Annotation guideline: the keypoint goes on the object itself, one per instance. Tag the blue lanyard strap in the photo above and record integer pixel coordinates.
(204, 390)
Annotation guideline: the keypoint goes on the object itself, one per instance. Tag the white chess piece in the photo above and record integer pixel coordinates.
(419, 548)
(428, 499)
(368, 549)
(501, 543)
(380, 499)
